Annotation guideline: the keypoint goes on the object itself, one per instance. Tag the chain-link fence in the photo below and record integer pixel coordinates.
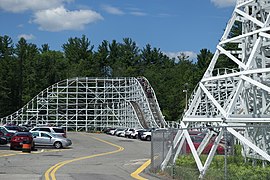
(161, 143)
(232, 159)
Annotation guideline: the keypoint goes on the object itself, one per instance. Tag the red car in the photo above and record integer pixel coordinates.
(3, 139)
(197, 141)
(19, 138)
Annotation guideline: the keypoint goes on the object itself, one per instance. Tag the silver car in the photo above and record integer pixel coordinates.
(43, 138)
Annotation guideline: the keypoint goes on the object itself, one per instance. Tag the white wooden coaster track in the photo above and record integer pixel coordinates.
(227, 99)
(84, 104)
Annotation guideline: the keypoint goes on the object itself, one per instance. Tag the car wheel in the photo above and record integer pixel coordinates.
(58, 145)
(33, 147)
(11, 148)
(148, 138)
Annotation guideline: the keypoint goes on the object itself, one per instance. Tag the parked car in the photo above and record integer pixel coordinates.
(143, 132)
(120, 132)
(19, 138)
(106, 130)
(3, 139)
(5, 128)
(196, 139)
(7, 134)
(59, 131)
(24, 129)
(112, 131)
(128, 132)
(146, 136)
(26, 126)
(135, 133)
(43, 138)
(14, 128)
(192, 133)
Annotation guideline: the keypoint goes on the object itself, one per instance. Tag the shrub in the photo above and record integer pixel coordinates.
(237, 168)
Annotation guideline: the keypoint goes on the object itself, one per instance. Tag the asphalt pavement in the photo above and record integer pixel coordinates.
(91, 157)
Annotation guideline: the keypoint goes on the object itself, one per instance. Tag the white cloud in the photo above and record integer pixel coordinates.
(164, 15)
(192, 55)
(112, 10)
(59, 19)
(26, 36)
(17, 6)
(20, 26)
(137, 13)
(224, 3)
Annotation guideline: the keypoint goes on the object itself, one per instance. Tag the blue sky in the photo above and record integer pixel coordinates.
(174, 26)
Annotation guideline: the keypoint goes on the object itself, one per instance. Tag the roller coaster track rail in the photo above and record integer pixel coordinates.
(86, 103)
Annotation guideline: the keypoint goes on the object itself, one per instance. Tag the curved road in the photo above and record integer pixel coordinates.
(91, 156)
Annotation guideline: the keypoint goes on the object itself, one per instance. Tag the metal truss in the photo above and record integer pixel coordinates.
(235, 100)
(84, 104)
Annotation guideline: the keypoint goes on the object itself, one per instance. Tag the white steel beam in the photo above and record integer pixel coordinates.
(223, 51)
(252, 19)
(209, 95)
(248, 143)
(192, 147)
(256, 83)
(211, 153)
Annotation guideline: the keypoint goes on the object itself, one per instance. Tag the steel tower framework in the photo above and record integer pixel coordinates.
(227, 98)
(82, 104)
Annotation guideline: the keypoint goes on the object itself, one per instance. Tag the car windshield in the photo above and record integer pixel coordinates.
(53, 135)
(58, 130)
(12, 128)
(23, 134)
(35, 134)
(121, 129)
(3, 130)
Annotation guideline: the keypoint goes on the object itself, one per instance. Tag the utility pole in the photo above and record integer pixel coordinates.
(186, 91)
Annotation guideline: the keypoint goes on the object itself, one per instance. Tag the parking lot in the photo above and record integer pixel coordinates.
(91, 156)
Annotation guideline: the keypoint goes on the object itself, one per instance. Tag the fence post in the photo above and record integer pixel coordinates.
(173, 154)
(225, 154)
(152, 151)
(163, 153)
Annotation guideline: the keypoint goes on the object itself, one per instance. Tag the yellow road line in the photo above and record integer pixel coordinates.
(50, 173)
(5, 155)
(32, 152)
(136, 173)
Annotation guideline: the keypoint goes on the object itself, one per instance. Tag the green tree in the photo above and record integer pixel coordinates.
(28, 54)
(51, 67)
(6, 47)
(8, 84)
(21, 53)
(126, 63)
(77, 49)
(79, 52)
(101, 61)
(224, 61)
(203, 60)
(44, 48)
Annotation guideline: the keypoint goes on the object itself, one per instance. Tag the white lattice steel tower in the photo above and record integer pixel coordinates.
(86, 103)
(227, 98)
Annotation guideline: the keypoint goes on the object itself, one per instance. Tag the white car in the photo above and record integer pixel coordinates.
(59, 131)
(112, 131)
(120, 132)
(135, 132)
(146, 136)
(7, 130)
(128, 132)
(43, 138)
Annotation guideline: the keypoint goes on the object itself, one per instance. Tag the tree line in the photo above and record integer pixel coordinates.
(26, 69)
